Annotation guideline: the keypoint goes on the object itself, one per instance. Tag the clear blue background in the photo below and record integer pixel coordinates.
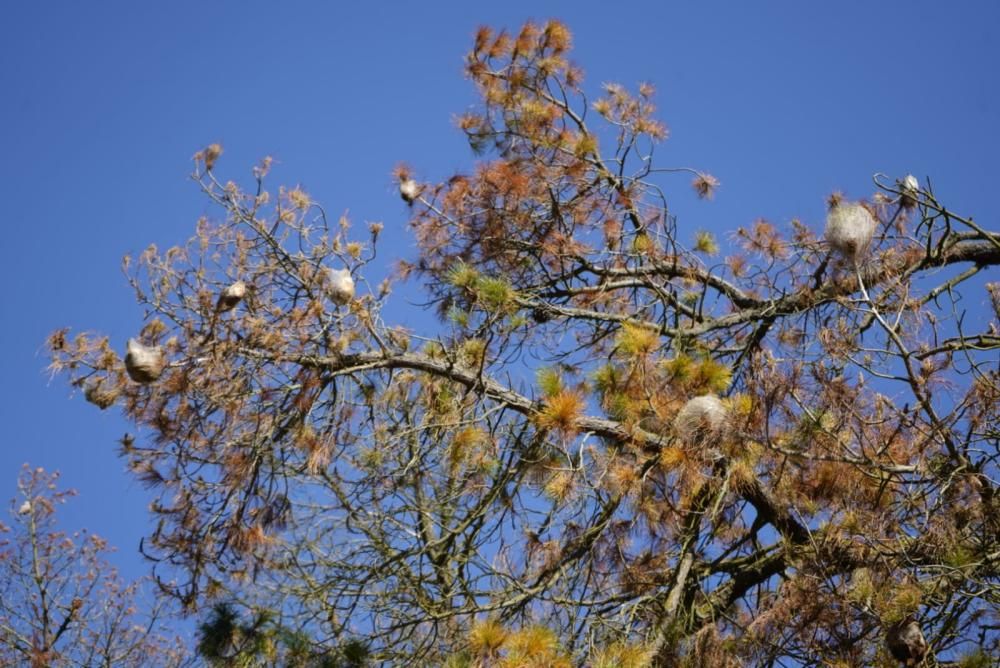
(103, 105)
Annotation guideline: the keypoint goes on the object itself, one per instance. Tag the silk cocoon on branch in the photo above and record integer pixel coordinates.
(231, 296)
(144, 364)
(340, 286)
(701, 420)
(849, 229)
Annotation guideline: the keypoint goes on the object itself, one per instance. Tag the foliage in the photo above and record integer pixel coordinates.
(224, 639)
(61, 603)
(362, 481)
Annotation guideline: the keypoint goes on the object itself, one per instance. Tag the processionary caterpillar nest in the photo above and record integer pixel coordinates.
(906, 642)
(850, 227)
(341, 286)
(701, 420)
(409, 190)
(144, 364)
(231, 296)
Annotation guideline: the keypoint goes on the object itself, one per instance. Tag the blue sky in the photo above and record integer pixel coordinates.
(104, 104)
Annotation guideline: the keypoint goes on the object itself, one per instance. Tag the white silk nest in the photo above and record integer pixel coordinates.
(849, 229)
(231, 296)
(144, 364)
(409, 190)
(340, 286)
(906, 642)
(910, 188)
(702, 419)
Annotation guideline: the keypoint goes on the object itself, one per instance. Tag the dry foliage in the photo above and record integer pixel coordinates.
(61, 602)
(373, 482)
